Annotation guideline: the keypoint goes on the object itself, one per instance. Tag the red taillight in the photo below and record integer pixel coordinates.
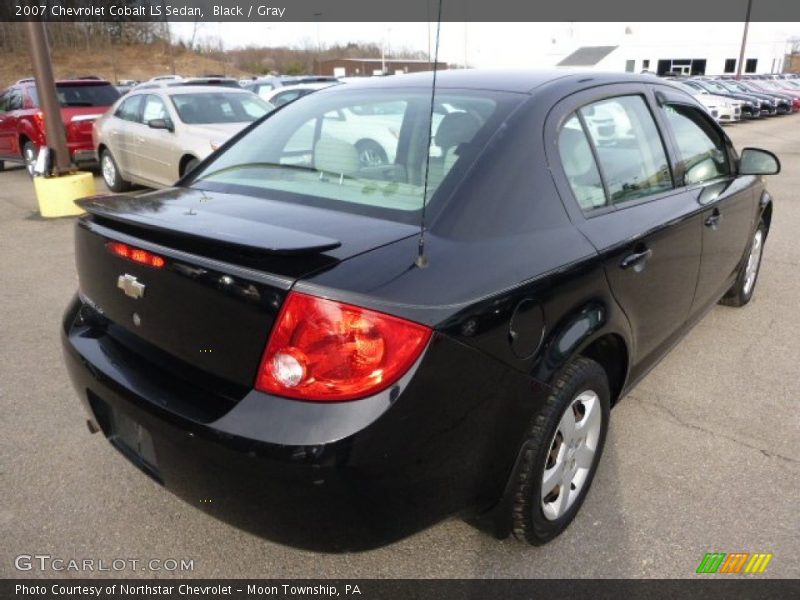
(321, 350)
(137, 255)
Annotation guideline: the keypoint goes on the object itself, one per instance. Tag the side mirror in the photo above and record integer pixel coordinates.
(702, 171)
(160, 124)
(755, 161)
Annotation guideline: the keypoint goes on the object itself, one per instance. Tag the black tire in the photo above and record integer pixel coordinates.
(190, 166)
(111, 174)
(29, 153)
(2, 165)
(371, 153)
(529, 521)
(741, 291)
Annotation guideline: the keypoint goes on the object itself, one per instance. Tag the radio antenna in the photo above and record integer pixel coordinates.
(422, 260)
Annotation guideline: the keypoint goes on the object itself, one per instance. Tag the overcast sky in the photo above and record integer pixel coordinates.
(486, 44)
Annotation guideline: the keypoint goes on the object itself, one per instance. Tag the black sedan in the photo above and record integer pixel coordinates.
(335, 354)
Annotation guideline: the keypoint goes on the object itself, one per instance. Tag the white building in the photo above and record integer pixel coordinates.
(661, 59)
(687, 49)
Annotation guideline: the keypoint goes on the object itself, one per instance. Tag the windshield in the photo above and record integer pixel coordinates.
(714, 87)
(219, 107)
(688, 89)
(362, 151)
(82, 95)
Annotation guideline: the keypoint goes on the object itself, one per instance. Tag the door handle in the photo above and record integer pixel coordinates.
(637, 260)
(713, 219)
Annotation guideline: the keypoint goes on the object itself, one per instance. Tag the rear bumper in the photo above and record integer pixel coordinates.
(343, 476)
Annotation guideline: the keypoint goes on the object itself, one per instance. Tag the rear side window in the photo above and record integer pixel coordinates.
(579, 165)
(633, 162)
(14, 100)
(700, 145)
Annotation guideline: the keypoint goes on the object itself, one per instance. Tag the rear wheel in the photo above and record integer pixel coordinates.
(2, 166)
(561, 453)
(371, 154)
(190, 166)
(111, 174)
(742, 290)
(29, 152)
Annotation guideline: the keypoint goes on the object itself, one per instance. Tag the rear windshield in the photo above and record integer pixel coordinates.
(361, 151)
(221, 107)
(82, 95)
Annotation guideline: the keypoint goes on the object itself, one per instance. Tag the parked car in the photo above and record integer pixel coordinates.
(780, 87)
(22, 130)
(781, 102)
(724, 110)
(264, 86)
(769, 104)
(279, 344)
(155, 136)
(753, 106)
(284, 94)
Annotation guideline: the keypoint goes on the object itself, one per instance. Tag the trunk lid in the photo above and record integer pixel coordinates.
(230, 260)
(78, 122)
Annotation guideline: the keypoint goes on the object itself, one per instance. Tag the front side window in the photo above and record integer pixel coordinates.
(361, 151)
(130, 109)
(154, 108)
(700, 145)
(632, 158)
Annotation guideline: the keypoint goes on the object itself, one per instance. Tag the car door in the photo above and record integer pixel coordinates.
(729, 204)
(120, 133)
(620, 192)
(156, 152)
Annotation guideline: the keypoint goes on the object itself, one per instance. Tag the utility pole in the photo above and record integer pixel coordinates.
(744, 40)
(46, 88)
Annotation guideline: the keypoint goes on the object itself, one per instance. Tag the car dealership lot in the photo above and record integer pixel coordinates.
(704, 456)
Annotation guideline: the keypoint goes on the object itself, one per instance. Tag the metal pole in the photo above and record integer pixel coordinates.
(46, 89)
(744, 40)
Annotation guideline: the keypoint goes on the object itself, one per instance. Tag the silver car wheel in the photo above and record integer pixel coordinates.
(30, 158)
(109, 170)
(753, 262)
(571, 455)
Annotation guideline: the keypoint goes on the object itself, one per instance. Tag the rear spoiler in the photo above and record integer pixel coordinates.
(206, 226)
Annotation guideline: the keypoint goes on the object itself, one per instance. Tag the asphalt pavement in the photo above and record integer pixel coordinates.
(703, 456)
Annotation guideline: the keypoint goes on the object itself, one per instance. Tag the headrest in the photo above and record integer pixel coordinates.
(333, 155)
(456, 128)
(576, 155)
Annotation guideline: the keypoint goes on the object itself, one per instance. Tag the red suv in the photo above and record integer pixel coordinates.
(22, 130)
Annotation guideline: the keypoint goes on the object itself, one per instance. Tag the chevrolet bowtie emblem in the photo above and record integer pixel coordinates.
(131, 286)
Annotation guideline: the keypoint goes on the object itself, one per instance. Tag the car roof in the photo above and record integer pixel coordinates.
(305, 86)
(191, 89)
(508, 80)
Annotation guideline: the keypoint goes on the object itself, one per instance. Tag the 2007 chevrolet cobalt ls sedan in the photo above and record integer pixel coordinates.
(274, 341)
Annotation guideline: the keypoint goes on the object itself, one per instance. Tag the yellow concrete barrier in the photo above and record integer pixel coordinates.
(56, 195)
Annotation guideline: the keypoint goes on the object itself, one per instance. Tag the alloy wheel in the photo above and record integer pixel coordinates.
(30, 158)
(571, 455)
(109, 170)
(753, 262)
